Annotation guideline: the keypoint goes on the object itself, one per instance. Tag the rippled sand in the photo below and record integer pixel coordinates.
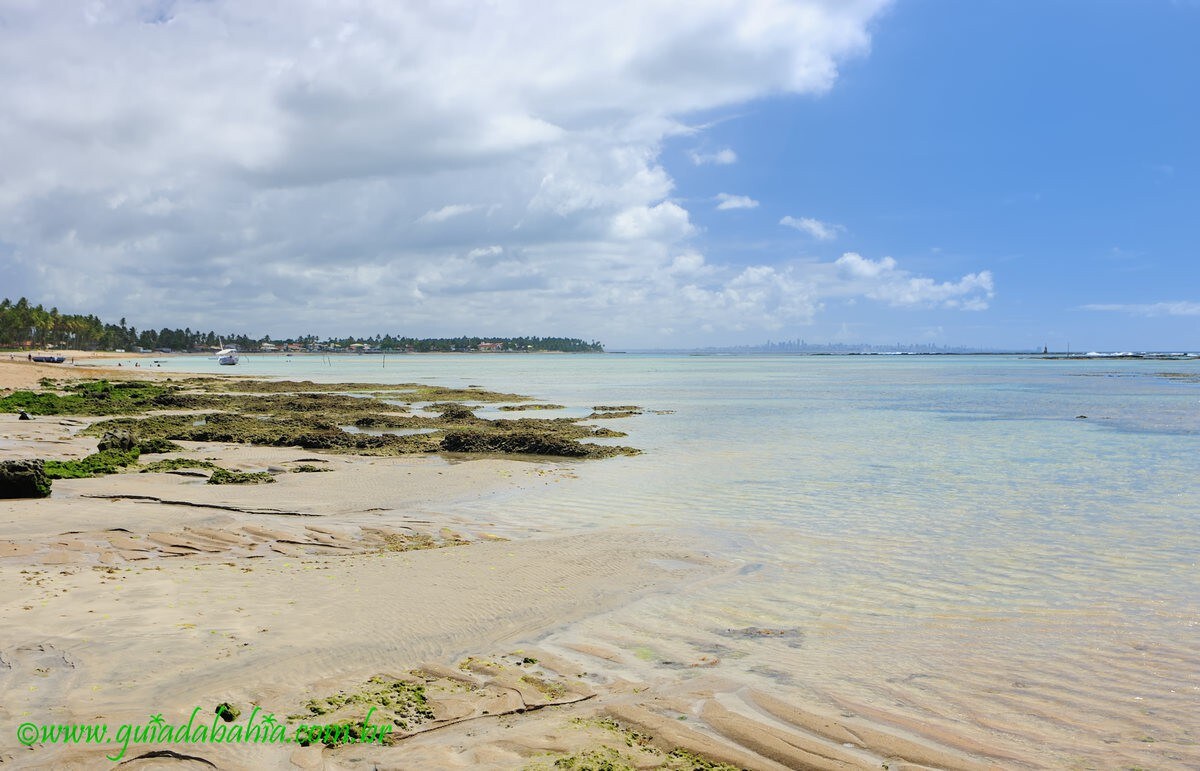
(827, 568)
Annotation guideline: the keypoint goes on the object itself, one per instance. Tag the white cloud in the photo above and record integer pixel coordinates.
(485, 251)
(390, 167)
(665, 222)
(447, 212)
(822, 231)
(1178, 308)
(856, 266)
(884, 280)
(722, 157)
(728, 201)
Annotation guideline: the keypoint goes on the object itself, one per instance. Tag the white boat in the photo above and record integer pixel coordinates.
(227, 356)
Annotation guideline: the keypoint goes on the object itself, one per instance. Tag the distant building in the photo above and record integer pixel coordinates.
(491, 346)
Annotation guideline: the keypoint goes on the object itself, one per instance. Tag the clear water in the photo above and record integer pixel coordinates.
(942, 539)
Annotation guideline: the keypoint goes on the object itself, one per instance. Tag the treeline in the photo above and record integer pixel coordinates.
(32, 326)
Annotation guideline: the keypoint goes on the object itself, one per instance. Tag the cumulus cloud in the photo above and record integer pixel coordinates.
(1177, 308)
(822, 231)
(722, 157)
(884, 280)
(727, 201)
(362, 167)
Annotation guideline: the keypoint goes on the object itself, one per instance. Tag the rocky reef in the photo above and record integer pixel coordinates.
(358, 418)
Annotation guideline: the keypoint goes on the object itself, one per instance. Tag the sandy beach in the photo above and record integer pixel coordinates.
(140, 594)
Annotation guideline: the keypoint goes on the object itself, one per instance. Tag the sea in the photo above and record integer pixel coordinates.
(1000, 549)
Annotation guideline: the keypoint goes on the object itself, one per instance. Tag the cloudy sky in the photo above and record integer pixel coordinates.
(648, 173)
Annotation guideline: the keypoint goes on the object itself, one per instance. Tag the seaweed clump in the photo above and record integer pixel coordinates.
(403, 702)
(176, 464)
(527, 442)
(639, 753)
(93, 397)
(96, 464)
(115, 451)
(456, 412)
(221, 476)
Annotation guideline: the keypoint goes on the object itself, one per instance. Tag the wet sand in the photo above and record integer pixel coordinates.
(131, 595)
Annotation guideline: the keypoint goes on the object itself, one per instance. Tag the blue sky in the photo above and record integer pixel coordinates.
(651, 174)
(1053, 143)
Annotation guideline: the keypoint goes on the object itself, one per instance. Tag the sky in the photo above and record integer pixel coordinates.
(651, 174)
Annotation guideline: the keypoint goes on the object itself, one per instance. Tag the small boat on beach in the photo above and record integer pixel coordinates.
(48, 359)
(227, 356)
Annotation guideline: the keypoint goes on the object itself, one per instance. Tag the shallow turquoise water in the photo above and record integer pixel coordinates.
(942, 537)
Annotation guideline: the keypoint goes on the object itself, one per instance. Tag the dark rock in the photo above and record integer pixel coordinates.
(23, 415)
(117, 440)
(23, 479)
(1081, 417)
(227, 712)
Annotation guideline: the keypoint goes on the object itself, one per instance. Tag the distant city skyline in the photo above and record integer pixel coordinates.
(984, 175)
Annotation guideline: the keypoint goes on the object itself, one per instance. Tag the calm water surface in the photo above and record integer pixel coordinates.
(939, 539)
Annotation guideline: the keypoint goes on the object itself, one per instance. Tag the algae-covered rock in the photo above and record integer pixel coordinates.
(23, 479)
(118, 439)
(523, 442)
(121, 440)
(222, 476)
(157, 445)
(456, 412)
(97, 464)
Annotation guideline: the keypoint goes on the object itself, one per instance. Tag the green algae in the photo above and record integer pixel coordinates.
(222, 476)
(681, 759)
(175, 464)
(414, 542)
(308, 468)
(631, 737)
(157, 446)
(604, 757)
(311, 416)
(455, 413)
(92, 397)
(551, 690)
(524, 442)
(96, 464)
(312, 432)
(402, 702)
